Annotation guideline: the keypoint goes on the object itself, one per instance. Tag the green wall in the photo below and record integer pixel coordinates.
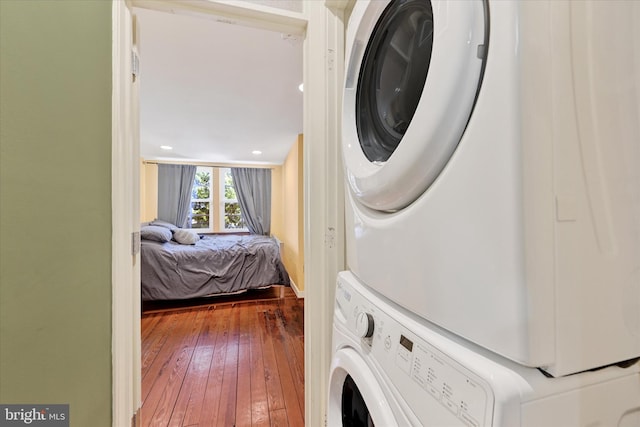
(55, 206)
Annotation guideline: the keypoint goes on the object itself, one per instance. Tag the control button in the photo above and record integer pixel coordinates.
(404, 359)
(420, 381)
(450, 405)
(468, 419)
(434, 391)
(387, 342)
(364, 325)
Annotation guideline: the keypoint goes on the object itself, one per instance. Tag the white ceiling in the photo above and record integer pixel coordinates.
(215, 91)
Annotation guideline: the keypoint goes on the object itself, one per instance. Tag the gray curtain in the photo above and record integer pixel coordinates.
(253, 188)
(174, 193)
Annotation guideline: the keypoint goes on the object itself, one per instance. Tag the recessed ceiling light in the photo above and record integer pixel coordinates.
(301, 87)
(256, 152)
(166, 147)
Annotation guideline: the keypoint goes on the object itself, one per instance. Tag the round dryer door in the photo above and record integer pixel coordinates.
(414, 69)
(355, 398)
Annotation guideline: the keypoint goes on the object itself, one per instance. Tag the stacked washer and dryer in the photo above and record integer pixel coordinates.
(492, 165)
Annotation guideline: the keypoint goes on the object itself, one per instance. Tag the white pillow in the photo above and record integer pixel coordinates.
(185, 237)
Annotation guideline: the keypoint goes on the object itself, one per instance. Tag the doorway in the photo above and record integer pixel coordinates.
(323, 27)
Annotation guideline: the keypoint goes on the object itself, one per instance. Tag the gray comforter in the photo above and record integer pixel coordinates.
(214, 265)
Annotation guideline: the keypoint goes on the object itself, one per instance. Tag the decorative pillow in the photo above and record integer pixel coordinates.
(154, 232)
(185, 237)
(165, 224)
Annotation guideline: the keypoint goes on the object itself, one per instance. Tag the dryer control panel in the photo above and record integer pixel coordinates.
(422, 365)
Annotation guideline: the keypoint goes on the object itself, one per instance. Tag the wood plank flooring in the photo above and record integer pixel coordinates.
(224, 362)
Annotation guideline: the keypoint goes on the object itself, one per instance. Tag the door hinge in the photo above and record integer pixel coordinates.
(330, 238)
(135, 65)
(135, 243)
(331, 59)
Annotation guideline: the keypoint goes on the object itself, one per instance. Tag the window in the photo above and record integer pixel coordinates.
(392, 77)
(202, 199)
(214, 204)
(230, 219)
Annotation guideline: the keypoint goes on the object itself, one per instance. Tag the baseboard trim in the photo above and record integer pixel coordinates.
(296, 290)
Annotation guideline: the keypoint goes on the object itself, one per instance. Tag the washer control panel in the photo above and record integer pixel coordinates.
(423, 374)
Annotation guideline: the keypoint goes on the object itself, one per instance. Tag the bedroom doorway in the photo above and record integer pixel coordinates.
(323, 30)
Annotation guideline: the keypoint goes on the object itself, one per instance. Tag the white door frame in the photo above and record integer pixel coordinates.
(125, 209)
(324, 196)
(323, 27)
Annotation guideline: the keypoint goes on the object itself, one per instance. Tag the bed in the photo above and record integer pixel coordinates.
(213, 264)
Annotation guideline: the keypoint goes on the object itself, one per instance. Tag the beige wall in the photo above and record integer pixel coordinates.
(277, 206)
(293, 214)
(148, 192)
(55, 206)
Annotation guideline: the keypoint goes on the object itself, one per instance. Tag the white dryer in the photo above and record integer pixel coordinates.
(492, 163)
(392, 368)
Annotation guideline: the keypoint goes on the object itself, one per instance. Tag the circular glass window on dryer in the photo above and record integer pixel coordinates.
(392, 76)
(414, 70)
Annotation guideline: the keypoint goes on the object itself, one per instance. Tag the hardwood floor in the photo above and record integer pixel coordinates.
(224, 362)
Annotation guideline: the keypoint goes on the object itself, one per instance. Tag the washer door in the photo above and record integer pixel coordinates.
(355, 398)
(413, 73)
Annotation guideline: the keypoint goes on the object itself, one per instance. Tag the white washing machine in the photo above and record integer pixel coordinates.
(492, 163)
(391, 368)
